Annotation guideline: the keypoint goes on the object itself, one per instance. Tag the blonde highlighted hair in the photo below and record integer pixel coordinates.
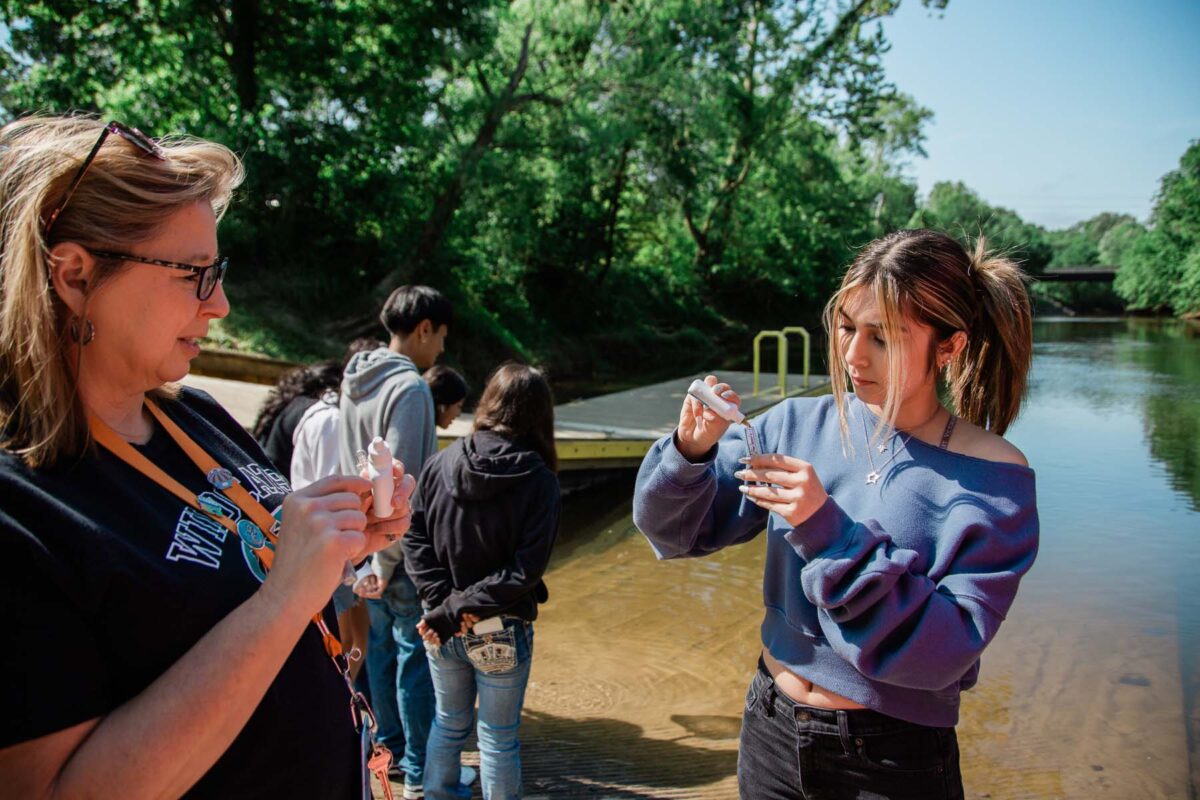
(123, 199)
(929, 277)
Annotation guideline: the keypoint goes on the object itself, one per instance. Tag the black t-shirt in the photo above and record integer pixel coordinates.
(107, 579)
(277, 441)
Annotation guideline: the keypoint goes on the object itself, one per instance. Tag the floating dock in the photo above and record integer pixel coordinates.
(610, 431)
(614, 431)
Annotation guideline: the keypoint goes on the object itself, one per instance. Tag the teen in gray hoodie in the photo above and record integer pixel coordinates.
(384, 395)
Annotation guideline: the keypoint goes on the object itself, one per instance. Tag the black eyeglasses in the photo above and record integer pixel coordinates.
(131, 135)
(207, 275)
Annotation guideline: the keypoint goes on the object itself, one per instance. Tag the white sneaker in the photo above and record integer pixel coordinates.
(414, 792)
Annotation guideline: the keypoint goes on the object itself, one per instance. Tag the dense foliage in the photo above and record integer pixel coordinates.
(954, 208)
(607, 188)
(1160, 267)
(600, 186)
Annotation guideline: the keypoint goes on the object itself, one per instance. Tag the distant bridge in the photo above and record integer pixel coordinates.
(1102, 272)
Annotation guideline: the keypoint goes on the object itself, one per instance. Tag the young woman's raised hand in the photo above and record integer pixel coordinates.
(699, 426)
(792, 490)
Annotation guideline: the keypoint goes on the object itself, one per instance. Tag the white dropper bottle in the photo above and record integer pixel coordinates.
(725, 410)
(720, 406)
(379, 473)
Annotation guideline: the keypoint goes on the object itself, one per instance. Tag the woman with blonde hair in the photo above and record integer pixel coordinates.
(897, 529)
(168, 598)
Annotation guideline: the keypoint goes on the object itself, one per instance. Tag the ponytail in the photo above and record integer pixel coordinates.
(988, 380)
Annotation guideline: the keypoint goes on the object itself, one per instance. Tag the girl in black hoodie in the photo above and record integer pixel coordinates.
(485, 516)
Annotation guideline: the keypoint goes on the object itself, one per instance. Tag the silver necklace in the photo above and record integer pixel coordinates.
(874, 474)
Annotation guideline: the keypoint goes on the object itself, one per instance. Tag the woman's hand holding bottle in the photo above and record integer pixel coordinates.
(327, 523)
(786, 485)
(322, 526)
(383, 531)
(699, 426)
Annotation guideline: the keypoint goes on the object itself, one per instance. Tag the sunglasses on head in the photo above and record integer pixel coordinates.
(131, 135)
(207, 275)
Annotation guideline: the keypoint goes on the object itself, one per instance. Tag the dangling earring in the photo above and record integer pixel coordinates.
(89, 331)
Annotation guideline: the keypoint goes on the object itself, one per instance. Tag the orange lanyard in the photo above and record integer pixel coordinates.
(233, 490)
(223, 481)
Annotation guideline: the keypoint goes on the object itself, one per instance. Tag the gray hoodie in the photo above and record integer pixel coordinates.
(383, 394)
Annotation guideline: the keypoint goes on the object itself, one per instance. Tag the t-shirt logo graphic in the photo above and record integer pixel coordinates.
(256, 567)
(263, 483)
(199, 538)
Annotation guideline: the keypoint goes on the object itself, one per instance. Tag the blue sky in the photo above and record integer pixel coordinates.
(1057, 109)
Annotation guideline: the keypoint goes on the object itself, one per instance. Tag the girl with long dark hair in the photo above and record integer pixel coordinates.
(289, 400)
(485, 517)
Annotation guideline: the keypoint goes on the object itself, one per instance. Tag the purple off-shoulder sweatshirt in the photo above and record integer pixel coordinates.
(889, 593)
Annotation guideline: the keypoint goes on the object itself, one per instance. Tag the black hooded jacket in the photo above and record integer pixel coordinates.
(484, 519)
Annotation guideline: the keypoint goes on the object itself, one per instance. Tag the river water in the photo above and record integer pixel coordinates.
(1090, 690)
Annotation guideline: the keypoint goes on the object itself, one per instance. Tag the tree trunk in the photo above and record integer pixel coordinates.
(710, 243)
(710, 237)
(448, 201)
(614, 209)
(238, 26)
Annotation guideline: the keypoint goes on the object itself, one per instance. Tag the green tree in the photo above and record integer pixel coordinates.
(1073, 248)
(1118, 239)
(1080, 244)
(1160, 269)
(699, 169)
(897, 132)
(958, 210)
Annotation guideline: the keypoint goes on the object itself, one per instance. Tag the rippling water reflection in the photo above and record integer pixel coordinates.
(1089, 691)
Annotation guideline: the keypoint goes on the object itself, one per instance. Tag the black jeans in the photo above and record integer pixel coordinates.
(799, 752)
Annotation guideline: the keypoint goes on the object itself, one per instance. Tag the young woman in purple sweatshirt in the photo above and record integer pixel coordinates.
(897, 530)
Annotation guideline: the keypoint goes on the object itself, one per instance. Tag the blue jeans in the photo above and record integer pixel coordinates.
(790, 751)
(398, 672)
(457, 681)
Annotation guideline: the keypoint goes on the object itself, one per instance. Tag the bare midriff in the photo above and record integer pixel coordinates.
(801, 690)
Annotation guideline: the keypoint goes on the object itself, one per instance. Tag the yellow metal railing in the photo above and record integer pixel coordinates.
(781, 359)
(807, 346)
(782, 356)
